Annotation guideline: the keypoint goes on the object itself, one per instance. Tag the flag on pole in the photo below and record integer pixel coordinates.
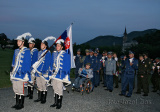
(67, 37)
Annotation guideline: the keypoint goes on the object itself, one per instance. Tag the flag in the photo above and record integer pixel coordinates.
(67, 37)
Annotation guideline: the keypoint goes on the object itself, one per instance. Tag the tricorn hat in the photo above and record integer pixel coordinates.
(23, 36)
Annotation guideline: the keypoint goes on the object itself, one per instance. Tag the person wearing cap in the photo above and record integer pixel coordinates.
(142, 76)
(130, 65)
(152, 74)
(102, 60)
(41, 70)
(149, 62)
(96, 68)
(122, 70)
(115, 77)
(156, 75)
(99, 55)
(105, 59)
(78, 62)
(84, 57)
(90, 59)
(87, 52)
(34, 58)
(20, 73)
(60, 68)
(110, 71)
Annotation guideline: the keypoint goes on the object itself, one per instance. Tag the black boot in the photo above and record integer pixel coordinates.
(17, 101)
(39, 96)
(55, 101)
(59, 103)
(29, 91)
(21, 103)
(44, 97)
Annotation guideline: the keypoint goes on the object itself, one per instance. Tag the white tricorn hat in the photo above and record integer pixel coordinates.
(60, 41)
(31, 40)
(48, 38)
(23, 36)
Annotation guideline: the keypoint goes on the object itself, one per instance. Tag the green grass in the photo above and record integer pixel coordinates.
(72, 74)
(5, 65)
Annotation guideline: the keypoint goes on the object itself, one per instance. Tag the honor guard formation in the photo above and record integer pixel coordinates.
(41, 67)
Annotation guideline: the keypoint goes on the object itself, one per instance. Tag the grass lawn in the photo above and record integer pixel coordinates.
(5, 65)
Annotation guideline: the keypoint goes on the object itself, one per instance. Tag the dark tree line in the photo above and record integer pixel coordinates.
(149, 43)
(83, 47)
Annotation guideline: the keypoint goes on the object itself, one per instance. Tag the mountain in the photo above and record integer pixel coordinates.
(105, 41)
(110, 40)
(135, 34)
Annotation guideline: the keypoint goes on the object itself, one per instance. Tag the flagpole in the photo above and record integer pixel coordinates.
(70, 25)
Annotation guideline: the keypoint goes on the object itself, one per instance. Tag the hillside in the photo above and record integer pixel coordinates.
(110, 40)
(105, 41)
(135, 34)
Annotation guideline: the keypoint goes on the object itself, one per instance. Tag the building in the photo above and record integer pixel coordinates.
(126, 43)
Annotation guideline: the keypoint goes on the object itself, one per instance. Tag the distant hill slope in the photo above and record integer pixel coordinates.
(104, 41)
(135, 34)
(110, 40)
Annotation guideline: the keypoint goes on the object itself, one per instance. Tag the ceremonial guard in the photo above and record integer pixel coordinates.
(60, 69)
(96, 68)
(130, 65)
(21, 70)
(34, 58)
(110, 71)
(41, 70)
(78, 62)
